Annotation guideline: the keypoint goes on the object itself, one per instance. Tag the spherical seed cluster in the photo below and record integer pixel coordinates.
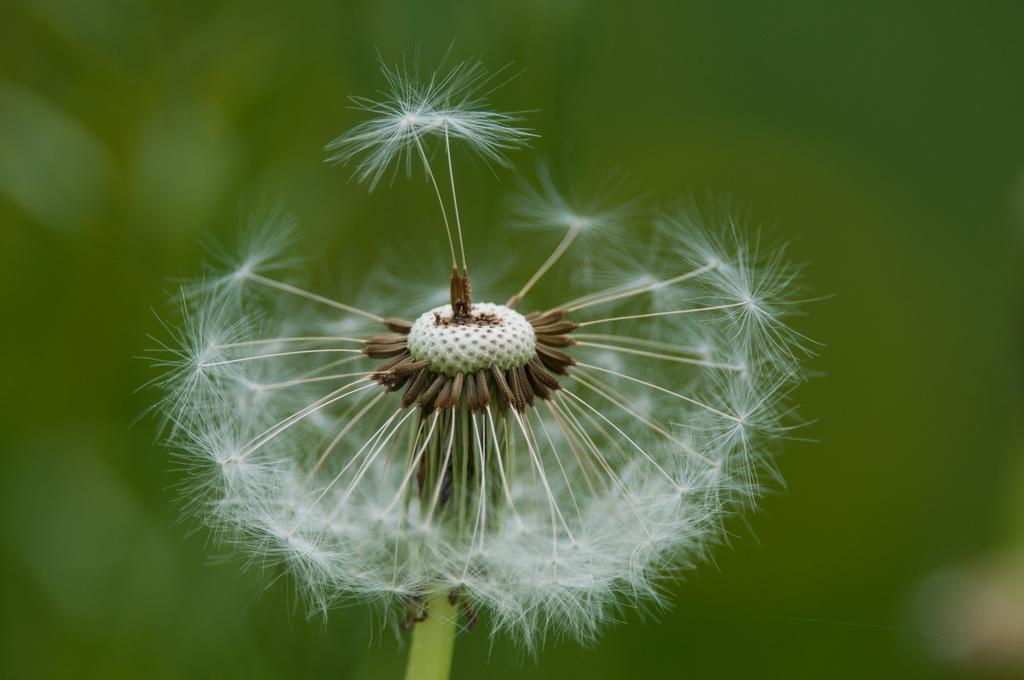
(543, 476)
(494, 335)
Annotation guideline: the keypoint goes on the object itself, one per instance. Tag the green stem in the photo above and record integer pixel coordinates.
(433, 640)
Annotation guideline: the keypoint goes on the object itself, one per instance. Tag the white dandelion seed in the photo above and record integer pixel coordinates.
(447, 105)
(544, 468)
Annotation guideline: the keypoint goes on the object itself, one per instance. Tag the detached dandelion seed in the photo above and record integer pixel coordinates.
(538, 467)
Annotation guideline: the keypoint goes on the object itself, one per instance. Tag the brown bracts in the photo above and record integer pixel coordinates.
(515, 387)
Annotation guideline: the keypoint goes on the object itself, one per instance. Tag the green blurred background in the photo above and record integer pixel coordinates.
(884, 138)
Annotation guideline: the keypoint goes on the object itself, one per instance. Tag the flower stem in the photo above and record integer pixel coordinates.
(433, 640)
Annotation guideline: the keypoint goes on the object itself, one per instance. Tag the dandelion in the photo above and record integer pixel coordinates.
(540, 465)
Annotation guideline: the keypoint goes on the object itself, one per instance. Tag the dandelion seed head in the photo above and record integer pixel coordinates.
(546, 464)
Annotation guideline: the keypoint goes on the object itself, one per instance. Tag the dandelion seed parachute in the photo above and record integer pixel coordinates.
(545, 466)
(447, 104)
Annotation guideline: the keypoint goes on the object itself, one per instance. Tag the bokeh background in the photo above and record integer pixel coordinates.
(884, 139)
